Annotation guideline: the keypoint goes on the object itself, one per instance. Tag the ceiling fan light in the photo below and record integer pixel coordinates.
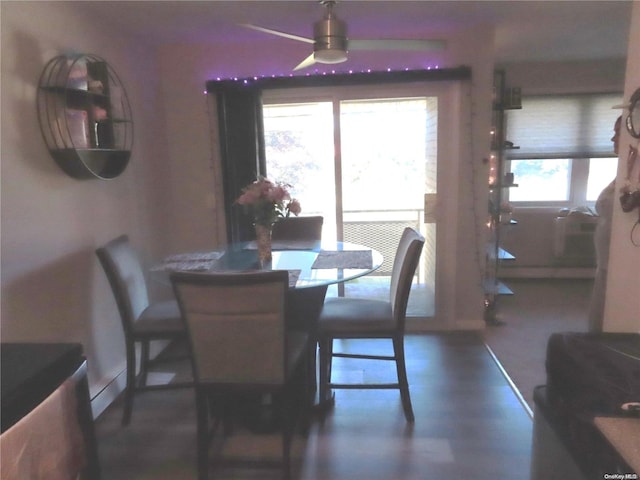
(330, 39)
(330, 56)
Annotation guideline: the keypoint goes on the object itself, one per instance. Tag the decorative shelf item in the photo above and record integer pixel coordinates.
(85, 116)
(500, 211)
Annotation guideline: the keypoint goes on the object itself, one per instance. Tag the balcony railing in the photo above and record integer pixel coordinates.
(381, 230)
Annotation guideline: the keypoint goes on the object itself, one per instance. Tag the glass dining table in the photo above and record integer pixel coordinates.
(310, 264)
(312, 267)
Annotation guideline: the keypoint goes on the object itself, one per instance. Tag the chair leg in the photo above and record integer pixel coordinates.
(308, 379)
(287, 422)
(144, 362)
(312, 366)
(303, 394)
(216, 403)
(131, 382)
(227, 413)
(286, 452)
(398, 347)
(326, 349)
(202, 407)
(330, 360)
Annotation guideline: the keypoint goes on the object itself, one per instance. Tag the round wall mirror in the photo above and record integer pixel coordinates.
(633, 118)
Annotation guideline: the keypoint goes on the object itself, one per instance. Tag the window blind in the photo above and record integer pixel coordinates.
(563, 126)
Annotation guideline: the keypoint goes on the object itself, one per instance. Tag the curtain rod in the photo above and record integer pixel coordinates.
(340, 79)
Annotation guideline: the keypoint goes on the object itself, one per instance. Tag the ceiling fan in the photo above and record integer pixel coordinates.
(330, 42)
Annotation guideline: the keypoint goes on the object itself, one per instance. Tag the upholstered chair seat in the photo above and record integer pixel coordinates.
(163, 316)
(356, 316)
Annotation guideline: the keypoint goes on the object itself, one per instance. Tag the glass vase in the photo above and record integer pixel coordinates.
(263, 242)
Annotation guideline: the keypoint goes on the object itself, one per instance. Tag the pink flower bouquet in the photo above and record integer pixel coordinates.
(267, 201)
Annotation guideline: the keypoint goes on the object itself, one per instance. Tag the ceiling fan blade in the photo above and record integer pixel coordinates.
(290, 36)
(397, 44)
(307, 62)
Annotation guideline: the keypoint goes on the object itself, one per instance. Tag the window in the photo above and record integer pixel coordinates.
(566, 156)
(601, 172)
(541, 180)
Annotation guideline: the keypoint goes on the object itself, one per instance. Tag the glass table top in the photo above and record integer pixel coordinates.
(309, 264)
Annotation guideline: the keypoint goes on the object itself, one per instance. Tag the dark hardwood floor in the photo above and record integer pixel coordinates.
(539, 308)
(469, 425)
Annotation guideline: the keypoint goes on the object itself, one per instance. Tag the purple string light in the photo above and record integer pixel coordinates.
(248, 81)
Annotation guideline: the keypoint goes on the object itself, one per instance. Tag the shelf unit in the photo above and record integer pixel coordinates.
(85, 116)
(503, 99)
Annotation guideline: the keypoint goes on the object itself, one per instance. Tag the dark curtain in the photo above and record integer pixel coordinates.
(242, 151)
(242, 131)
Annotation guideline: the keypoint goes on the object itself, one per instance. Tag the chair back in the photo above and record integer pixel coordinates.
(404, 268)
(123, 269)
(298, 228)
(236, 325)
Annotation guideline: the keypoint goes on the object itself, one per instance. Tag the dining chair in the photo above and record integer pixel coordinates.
(367, 318)
(298, 228)
(240, 345)
(142, 321)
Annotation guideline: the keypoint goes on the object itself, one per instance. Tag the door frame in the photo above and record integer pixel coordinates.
(451, 149)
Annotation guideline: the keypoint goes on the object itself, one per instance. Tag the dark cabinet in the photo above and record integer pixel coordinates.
(85, 116)
(30, 372)
(38, 380)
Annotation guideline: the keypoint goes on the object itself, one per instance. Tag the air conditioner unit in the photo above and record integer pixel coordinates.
(573, 239)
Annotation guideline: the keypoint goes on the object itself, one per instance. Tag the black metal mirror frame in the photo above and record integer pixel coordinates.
(633, 117)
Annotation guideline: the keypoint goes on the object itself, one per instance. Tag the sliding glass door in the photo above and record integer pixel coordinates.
(299, 151)
(365, 164)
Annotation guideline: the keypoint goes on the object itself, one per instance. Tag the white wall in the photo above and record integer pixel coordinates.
(547, 78)
(622, 305)
(53, 288)
(196, 190)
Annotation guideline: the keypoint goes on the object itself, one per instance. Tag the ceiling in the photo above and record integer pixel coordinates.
(525, 30)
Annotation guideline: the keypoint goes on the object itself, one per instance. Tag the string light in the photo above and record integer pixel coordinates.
(256, 78)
